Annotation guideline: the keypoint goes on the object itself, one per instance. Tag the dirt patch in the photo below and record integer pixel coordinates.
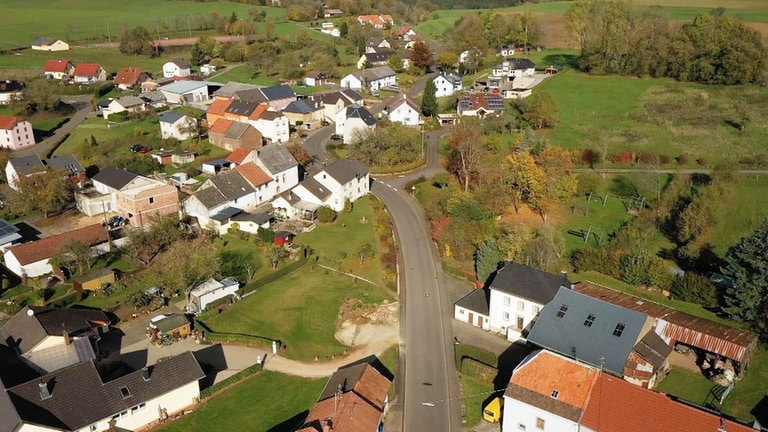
(63, 223)
(553, 32)
(364, 326)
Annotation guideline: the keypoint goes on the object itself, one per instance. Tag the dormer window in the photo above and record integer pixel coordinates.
(125, 392)
(619, 329)
(555, 394)
(562, 311)
(589, 321)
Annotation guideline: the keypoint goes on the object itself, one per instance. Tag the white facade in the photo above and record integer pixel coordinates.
(508, 70)
(348, 127)
(519, 416)
(281, 181)
(181, 129)
(351, 81)
(276, 130)
(444, 88)
(57, 45)
(199, 94)
(353, 190)
(210, 291)
(17, 137)
(382, 82)
(193, 207)
(511, 315)
(471, 317)
(405, 114)
(171, 69)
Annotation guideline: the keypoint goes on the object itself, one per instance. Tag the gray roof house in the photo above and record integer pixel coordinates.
(112, 178)
(590, 330)
(275, 159)
(346, 170)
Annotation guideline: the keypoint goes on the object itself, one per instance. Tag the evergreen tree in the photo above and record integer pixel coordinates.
(487, 258)
(344, 29)
(429, 101)
(746, 264)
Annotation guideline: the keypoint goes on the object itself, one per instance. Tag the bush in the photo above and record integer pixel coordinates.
(118, 117)
(682, 159)
(626, 158)
(326, 214)
(231, 380)
(347, 206)
(692, 287)
(664, 159)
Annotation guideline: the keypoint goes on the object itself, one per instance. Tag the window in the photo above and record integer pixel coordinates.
(151, 200)
(461, 311)
(562, 311)
(539, 423)
(589, 321)
(125, 392)
(506, 316)
(619, 329)
(94, 427)
(536, 310)
(555, 394)
(507, 301)
(521, 426)
(520, 305)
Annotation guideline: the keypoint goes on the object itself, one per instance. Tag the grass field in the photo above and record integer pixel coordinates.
(691, 386)
(268, 401)
(476, 395)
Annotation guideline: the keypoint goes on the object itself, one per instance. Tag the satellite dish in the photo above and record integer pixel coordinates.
(30, 312)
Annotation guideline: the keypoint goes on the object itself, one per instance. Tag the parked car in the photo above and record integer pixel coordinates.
(116, 221)
(136, 148)
(337, 138)
(145, 150)
(394, 87)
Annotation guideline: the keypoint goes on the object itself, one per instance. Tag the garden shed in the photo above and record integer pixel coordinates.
(95, 280)
(175, 325)
(283, 238)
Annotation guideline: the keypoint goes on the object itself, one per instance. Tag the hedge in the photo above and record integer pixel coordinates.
(231, 380)
(69, 299)
(214, 337)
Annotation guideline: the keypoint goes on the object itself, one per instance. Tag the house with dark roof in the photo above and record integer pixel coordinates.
(447, 84)
(9, 234)
(346, 179)
(11, 90)
(512, 300)
(32, 165)
(31, 259)
(49, 44)
(403, 109)
(54, 338)
(376, 43)
(307, 112)
(302, 201)
(177, 125)
(78, 398)
(131, 77)
(355, 398)
(89, 73)
(514, 67)
(129, 103)
(590, 330)
(59, 69)
(371, 79)
(335, 101)
(374, 57)
(353, 120)
(177, 68)
(315, 79)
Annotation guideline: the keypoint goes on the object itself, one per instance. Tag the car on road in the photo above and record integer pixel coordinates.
(337, 138)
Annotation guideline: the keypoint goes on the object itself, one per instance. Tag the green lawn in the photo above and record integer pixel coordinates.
(742, 213)
(691, 386)
(30, 63)
(750, 391)
(476, 395)
(600, 221)
(242, 74)
(268, 401)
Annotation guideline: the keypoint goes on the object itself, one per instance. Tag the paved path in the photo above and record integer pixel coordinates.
(652, 170)
(82, 104)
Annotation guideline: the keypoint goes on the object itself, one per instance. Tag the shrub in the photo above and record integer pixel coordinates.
(692, 287)
(626, 158)
(326, 214)
(701, 161)
(682, 159)
(647, 158)
(590, 157)
(347, 206)
(664, 159)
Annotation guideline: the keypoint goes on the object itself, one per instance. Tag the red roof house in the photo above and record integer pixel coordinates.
(86, 73)
(58, 69)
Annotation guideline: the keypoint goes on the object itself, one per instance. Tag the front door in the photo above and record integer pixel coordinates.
(520, 322)
(480, 321)
(471, 316)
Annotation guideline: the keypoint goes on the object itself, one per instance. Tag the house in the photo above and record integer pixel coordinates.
(178, 126)
(306, 112)
(54, 338)
(11, 90)
(353, 119)
(209, 291)
(9, 234)
(231, 135)
(376, 21)
(315, 79)
(272, 124)
(335, 101)
(185, 92)
(302, 201)
(374, 58)
(69, 165)
(131, 104)
(130, 77)
(507, 50)
(49, 44)
(355, 398)
(154, 99)
(111, 179)
(592, 331)
(31, 165)
(515, 295)
(376, 44)
(479, 104)
(177, 157)
(177, 68)
(243, 187)
(332, 13)
(207, 69)
(60, 69)
(522, 87)
(276, 97)
(230, 217)
(516, 67)
(346, 179)
(143, 199)
(679, 329)
(404, 32)
(15, 133)
(330, 29)
(95, 280)
(102, 197)
(31, 259)
(241, 155)
(447, 84)
(277, 162)
(133, 401)
(215, 166)
(89, 73)
(403, 109)
(371, 79)
(548, 392)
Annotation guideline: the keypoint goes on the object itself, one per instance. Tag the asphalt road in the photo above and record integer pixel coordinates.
(82, 104)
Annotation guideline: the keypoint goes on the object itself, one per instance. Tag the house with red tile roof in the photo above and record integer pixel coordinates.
(31, 259)
(130, 77)
(15, 133)
(58, 69)
(231, 135)
(376, 21)
(479, 104)
(354, 399)
(241, 155)
(88, 73)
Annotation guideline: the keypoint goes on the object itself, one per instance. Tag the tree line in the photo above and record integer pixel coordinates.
(617, 37)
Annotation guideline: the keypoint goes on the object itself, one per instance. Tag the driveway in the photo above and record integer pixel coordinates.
(82, 103)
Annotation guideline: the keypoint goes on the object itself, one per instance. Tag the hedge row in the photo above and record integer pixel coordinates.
(69, 299)
(214, 337)
(245, 373)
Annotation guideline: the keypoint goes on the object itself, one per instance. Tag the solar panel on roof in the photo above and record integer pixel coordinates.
(6, 228)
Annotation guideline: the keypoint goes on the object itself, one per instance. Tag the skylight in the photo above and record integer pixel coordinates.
(125, 392)
(555, 394)
(619, 329)
(562, 311)
(590, 320)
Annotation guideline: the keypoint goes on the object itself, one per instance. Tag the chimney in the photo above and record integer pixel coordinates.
(564, 274)
(65, 333)
(45, 392)
(327, 424)
(145, 373)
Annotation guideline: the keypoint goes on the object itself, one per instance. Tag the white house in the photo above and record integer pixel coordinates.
(58, 69)
(548, 392)
(353, 119)
(372, 79)
(403, 109)
(506, 50)
(209, 291)
(207, 69)
(335, 101)
(510, 305)
(89, 73)
(183, 92)
(516, 67)
(177, 125)
(49, 44)
(447, 84)
(345, 179)
(376, 21)
(277, 162)
(178, 67)
(15, 133)
(131, 104)
(273, 125)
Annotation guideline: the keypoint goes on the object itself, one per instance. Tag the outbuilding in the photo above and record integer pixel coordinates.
(95, 280)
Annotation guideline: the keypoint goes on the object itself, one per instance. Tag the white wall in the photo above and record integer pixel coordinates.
(462, 314)
(406, 115)
(173, 402)
(205, 299)
(517, 414)
(353, 190)
(503, 305)
(18, 137)
(443, 87)
(351, 81)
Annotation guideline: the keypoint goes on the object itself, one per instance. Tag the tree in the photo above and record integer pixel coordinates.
(421, 56)
(39, 95)
(448, 60)
(47, 192)
(557, 183)
(185, 264)
(136, 41)
(326, 214)
(746, 264)
(74, 253)
(395, 62)
(344, 29)
(277, 254)
(487, 258)
(429, 100)
(521, 176)
(466, 151)
(145, 244)
(540, 110)
(363, 251)
(389, 146)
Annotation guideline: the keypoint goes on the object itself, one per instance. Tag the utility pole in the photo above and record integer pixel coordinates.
(109, 35)
(189, 25)
(157, 43)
